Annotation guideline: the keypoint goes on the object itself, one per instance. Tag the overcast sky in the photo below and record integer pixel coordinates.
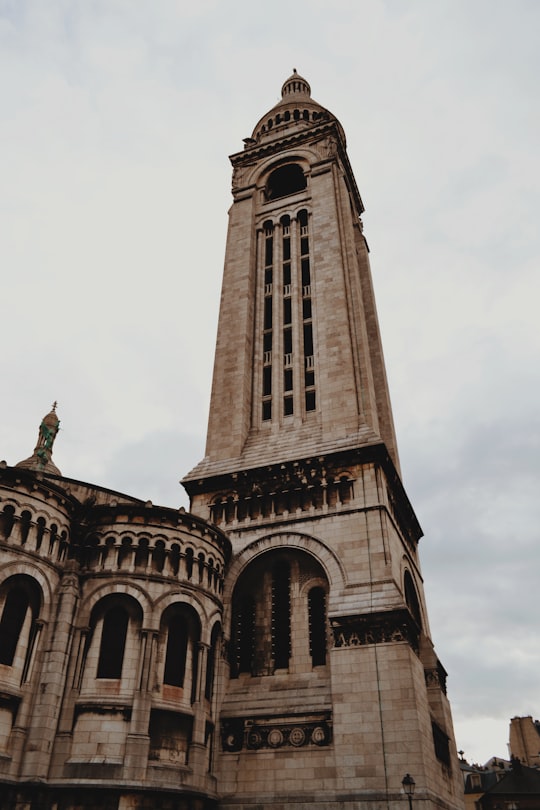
(116, 121)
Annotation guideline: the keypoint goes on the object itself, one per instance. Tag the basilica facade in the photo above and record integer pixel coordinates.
(270, 647)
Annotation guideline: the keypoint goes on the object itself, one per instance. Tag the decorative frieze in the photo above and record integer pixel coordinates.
(239, 733)
(375, 628)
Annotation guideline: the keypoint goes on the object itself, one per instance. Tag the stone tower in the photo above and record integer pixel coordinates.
(330, 690)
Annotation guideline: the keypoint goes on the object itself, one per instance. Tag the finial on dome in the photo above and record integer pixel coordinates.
(41, 458)
(296, 85)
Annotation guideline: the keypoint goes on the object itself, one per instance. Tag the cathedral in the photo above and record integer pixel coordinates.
(270, 648)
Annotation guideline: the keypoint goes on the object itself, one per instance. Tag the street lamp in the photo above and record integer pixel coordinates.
(408, 785)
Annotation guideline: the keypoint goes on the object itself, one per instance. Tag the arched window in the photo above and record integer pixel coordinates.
(189, 563)
(11, 624)
(317, 626)
(285, 180)
(411, 599)
(141, 553)
(112, 640)
(7, 519)
(175, 659)
(53, 537)
(274, 611)
(113, 643)
(20, 598)
(181, 627)
(174, 558)
(158, 556)
(26, 522)
(40, 532)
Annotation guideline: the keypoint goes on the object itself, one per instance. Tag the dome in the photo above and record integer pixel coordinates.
(295, 85)
(296, 111)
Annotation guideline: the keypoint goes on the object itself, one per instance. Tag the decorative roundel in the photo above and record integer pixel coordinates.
(275, 738)
(318, 735)
(297, 736)
(254, 739)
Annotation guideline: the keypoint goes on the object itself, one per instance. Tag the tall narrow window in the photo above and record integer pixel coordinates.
(268, 314)
(180, 631)
(211, 662)
(306, 272)
(317, 626)
(411, 598)
(113, 643)
(40, 523)
(268, 248)
(25, 524)
(309, 372)
(11, 624)
(307, 330)
(287, 312)
(441, 743)
(175, 658)
(308, 340)
(287, 388)
(286, 315)
(281, 614)
(7, 520)
(267, 381)
(243, 634)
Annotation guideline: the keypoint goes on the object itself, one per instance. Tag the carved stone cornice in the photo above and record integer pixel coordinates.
(385, 627)
(286, 476)
(289, 140)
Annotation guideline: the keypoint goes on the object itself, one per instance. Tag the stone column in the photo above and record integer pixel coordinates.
(197, 749)
(138, 739)
(50, 691)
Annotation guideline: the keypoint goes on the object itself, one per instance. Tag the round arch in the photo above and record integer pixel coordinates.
(294, 540)
(178, 598)
(117, 588)
(412, 596)
(28, 569)
(259, 173)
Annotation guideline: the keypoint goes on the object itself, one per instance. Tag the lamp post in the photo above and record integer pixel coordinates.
(408, 785)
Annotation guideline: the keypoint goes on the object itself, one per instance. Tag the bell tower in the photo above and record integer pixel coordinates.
(330, 690)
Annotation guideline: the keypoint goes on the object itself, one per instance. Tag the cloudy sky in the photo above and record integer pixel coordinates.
(116, 121)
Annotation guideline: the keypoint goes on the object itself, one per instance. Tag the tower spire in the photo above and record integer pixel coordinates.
(299, 357)
(329, 654)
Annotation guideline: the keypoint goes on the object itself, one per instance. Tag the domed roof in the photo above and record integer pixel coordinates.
(295, 85)
(295, 110)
